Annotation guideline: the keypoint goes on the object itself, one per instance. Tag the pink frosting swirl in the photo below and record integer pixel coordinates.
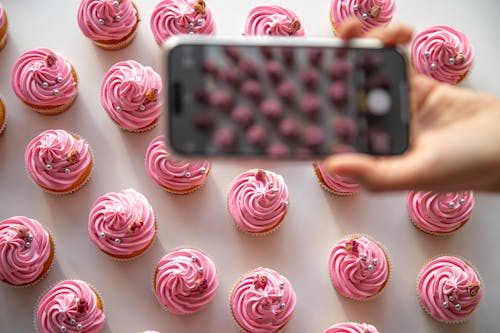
(336, 183)
(351, 328)
(174, 17)
(185, 281)
(262, 301)
(71, 304)
(449, 289)
(24, 250)
(274, 21)
(44, 78)
(442, 53)
(175, 175)
(440, 212)
(107, 20)
(258, 200)
(358, 267)
(130, 95)
(56, 160)
(122, 224)
(371, 13)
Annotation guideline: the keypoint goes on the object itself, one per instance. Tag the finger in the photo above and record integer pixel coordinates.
(350, 28)
(392, 35)
(421, 89)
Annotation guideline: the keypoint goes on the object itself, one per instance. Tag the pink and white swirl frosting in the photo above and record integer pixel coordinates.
(56, 160)
(130, 95)
(440, 212)
(42, 77)
(175, 175)
(335, 183)
(351, 328)
(175, 17)
(258, 200)
(371, 13)
(24, 250)
(185, 281)
(442, 53)
(262, 301)
(273, 20)
(122, 223)
(70, 306)
(358, 266)
(107, 20)
(449, 289)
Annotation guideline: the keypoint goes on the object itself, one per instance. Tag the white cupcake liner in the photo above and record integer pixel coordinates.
(3, 40)
(329, 189)
(442, 234)
(124, 43)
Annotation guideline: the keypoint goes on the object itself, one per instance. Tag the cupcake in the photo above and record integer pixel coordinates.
(185, 281)
(3, 116)
(4, 23)
(175, 176)
(449, 289)
(70, 306)
(262, 301)
(129, 94)
(334, 183)
(110, 24)
(122, 224)
(371, 14)
(26, 251)
(439, 213)
(258, 201)
(273, 20)
(442, 53)
(359, 267)
(45, 81)
(175, 17)
(59, 162)
(351, 328)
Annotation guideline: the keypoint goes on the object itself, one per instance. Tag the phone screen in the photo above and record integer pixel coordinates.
(286, 101)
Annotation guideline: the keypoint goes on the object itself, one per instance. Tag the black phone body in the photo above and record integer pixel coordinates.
(290, 98)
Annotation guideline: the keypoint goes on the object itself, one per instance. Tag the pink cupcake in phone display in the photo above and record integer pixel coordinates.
(439, 213)
(185, 281)
(122, 224)
(273, 20)
(4, 24)
(351, 328)
(335, 184)
(175, 176)
(45, 81)
(70, 306)
(59, 162)
(442, 53)
(262, 301)
(258, 201)
(449, 289)
(26, 251)
(175, 17)
(359, 267)
(130, 96)
(110, 24)
(371, 13)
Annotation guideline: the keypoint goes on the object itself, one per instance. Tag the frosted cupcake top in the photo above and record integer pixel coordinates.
(122, 223)
(70, 306)
(130, 95)
(262, 301)
(56, 160)
(351, 328)
(358, 267)
(43, 78)
(174, 17)
(335, 182)
(107, 20)
(449, 289)
(24, 250)
(371, 13)
(442, 53)
(185, 281)
(274, 21)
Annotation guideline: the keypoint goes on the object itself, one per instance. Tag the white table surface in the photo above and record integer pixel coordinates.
(299, 249)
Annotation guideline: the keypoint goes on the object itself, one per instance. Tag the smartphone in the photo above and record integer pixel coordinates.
(292, 98)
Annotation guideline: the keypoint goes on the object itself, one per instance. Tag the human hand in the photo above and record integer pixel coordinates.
(455, 135)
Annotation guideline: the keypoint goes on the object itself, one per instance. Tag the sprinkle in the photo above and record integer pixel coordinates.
(473, 289)
(116, 3)
(295, 25)
(79, 327)
(282, 305)
(280, 297)
(201, 269)
(63, 328)
(260, 281)
(101, 21)
(285, 202)
(451, 204)
(462, 201)
(458, 307)
(142, 107)
(364, 16)
(59, 79)
(193, 258)
(203, 170)
(375, 262)
(370, 267)
(363, 256)
(282, 284)
(451, 298)
(275, 190)
(67, 171)
(355, 7)
(118, 108)
(200, 7)
(27, 245)
(152, 94)
(29, 238)
(199, 22)
(56, 92)
(48, 166)
(118, 18)
(433, 66)
(102, 234)
(117, 241)
(72, 156)
(451, 61)
(72, 321)
(191, 25)
(51, 59)
(187, 174)
(45, 84)
(427, 54)
(375, 11)
(446, 304)
(260, 175)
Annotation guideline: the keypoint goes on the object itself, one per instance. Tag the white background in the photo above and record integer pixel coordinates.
(299, 249)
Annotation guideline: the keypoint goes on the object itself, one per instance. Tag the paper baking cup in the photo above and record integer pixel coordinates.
(321, 182)
(437, 233)
(4, 124)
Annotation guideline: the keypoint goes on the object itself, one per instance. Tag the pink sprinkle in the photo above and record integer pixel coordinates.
(51, 59)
